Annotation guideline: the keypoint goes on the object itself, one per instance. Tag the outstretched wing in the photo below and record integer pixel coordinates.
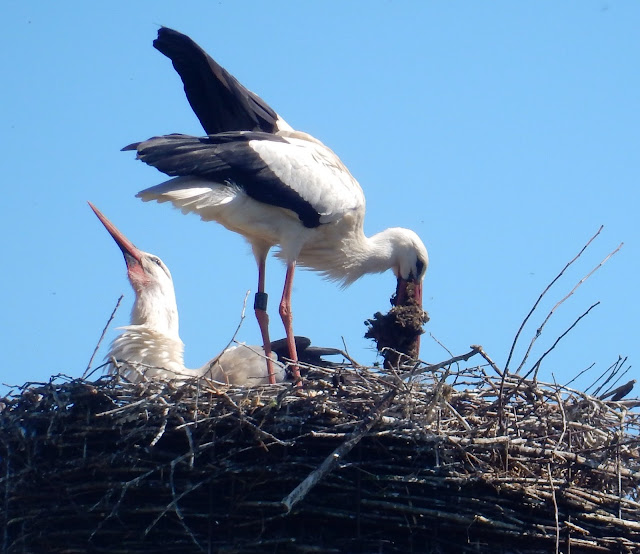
(300, 175)
(219, 101)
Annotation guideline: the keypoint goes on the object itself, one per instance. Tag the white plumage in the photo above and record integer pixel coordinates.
(273, 185)
(151, 348)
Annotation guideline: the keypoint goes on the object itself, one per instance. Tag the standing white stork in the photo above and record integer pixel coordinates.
(150, 347)
(274, 186)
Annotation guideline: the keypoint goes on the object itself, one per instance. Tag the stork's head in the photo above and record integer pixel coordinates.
(155, 304)
(410, 266)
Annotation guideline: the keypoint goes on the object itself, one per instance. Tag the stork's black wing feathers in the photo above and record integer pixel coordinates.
(226, 158)
(281, 348)
(219, 101)
(307, 354)
(218, 157)
(620, 392)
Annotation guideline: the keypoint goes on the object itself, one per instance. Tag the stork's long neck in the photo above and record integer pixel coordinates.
(373, 254)
(157, 310)
(357, 255)
(152, 339)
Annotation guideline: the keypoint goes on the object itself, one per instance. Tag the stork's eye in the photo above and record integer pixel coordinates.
(157, 261)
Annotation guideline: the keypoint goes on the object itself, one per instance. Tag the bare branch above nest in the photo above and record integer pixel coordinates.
(536, 366)
(104, 332)
(560, 302)
(535, 305)
(233, 337)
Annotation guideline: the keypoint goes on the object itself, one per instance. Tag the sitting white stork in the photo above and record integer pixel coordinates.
(150, 347)
(274, 186)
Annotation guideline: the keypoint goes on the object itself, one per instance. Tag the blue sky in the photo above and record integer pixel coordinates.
(503, 133)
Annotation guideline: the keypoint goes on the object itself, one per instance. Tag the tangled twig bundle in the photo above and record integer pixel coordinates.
(359, 461)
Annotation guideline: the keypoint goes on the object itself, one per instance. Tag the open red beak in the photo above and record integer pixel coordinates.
(128, 248)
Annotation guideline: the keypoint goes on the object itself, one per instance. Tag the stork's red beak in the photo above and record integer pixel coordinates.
(128, 248)
(408, 292)
(409, 295)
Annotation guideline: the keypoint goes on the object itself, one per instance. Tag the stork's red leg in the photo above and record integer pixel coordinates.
(287, 320)
(260, 308)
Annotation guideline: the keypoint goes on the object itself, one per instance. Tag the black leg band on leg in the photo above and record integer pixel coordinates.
(260, 302)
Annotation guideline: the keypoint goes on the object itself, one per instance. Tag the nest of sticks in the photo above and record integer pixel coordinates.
(442, 458)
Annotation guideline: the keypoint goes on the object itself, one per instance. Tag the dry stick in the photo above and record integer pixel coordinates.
(481, 351)
(441, 345)
(104, 332)
(619, 476)
(457, 415)
(614, 372)
(437, 394)
(536, 366)
(564, 419)
(501, 400)
(555, 508)
(172, 505)
(233, 338)
(298, 494)
(435, 367)
(579, 374)
(346, 354)
(612, 367)
(260, 434)
(123, 491)
(524, 322)
(539, 331)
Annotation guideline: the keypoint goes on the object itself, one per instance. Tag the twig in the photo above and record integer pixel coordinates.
(501, 400)
(536, 366)
(346, 354)
(579, 374)
(182, 521)
(173, 505)
(615, 371)
(125, 407)
(260, 433)
(441, 345)
(524, 322)
(618, 465)
(434, 367)
(104, 332)
(123, 492)
(612, 367)
(555, 508)
(564, 420)
(461, 419)
(161, 430)
(539, 330)
(233, 338)
(297, 494)
(481, 351)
